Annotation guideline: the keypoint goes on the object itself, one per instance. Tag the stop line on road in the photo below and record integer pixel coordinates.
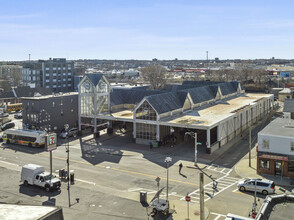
(219, 169)
(223, 183)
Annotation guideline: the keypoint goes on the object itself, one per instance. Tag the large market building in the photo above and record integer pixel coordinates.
(216, 111)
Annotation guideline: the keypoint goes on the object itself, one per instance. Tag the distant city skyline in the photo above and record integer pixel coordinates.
(165, 29)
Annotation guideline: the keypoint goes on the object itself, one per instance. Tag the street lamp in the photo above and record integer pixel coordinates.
(167, 161)
(194, 135)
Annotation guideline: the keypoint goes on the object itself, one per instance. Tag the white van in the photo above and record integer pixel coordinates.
(32, 174)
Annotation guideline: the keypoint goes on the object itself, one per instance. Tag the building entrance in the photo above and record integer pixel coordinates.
(278, 167)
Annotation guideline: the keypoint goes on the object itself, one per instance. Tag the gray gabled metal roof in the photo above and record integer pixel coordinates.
(94, 77)
(289, 105)
(165, 102)
(226, 88)
(131, 96)
(200, 94)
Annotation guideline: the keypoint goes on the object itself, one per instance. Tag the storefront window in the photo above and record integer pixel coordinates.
(290, 166)
(292, 146)
(264, 164)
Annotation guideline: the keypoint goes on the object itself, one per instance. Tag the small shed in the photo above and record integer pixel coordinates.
(285, 94)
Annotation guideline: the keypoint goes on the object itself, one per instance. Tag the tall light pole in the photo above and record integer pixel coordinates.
(194, 135)
(250, 144)
(167, 161)
(66, 127)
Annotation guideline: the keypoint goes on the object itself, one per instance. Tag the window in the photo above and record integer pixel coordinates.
(290, 166)
(265, 144)
(292, 146)
(262, 184)
(264, 164)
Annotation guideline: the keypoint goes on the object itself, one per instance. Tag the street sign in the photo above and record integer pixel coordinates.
(188, 198)
(66, 127)
(51, 141)
(157, 179)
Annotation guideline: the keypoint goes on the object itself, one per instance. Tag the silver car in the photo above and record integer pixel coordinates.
(263, 186)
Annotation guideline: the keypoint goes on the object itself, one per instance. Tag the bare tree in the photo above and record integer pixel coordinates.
(155, 75)
(260, 76)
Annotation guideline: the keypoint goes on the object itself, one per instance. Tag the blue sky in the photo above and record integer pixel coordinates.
(138, 29)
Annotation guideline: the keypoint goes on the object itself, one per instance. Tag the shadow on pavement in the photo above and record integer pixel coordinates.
(37, 191)
(111, 148)
(94, 152)
(23, 149)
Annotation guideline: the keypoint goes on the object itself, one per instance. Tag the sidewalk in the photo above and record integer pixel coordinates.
(243, 170)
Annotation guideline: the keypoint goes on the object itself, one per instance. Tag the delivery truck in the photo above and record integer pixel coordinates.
(32, 174)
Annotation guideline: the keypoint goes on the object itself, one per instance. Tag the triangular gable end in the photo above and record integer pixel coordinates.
(239, 90)
(141, 103)
(83, 80)
(218, 94)
(188, 104)
(103, 79)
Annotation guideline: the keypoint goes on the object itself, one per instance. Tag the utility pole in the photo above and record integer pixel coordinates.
(194, 135)
(207, 55)
(254, 204)
(201, 196)
(66, 127)
(250, 145)
(167, 161)
(29, 57)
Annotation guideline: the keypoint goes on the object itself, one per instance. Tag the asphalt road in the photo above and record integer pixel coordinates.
(110, 172)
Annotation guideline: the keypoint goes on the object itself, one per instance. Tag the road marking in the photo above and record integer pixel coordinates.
(85, 181)
(9, 163)
(217, 215)
(122, 170)
(134, 189)
(222, 184)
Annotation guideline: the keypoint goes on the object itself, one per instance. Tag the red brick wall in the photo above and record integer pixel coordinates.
(271, 169)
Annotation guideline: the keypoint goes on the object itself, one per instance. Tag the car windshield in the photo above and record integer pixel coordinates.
(48, 177)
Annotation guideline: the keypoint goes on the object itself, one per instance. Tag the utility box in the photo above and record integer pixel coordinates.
(143, 197)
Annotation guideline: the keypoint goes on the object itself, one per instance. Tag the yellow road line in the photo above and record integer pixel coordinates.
(121, 170)
(240, 192)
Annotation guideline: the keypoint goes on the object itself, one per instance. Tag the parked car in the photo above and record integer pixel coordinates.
(7, 126)
(73, 132)
(2, 115)
(18, 115)
(263, 186)
(32, 174)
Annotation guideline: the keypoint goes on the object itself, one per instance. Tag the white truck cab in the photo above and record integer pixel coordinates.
(32, 174)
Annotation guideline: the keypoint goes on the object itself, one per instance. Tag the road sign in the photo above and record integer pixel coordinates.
(66, 127)
(51, 141)
(188, 198)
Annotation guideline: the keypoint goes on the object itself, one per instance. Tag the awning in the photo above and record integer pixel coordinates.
(274, 157)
